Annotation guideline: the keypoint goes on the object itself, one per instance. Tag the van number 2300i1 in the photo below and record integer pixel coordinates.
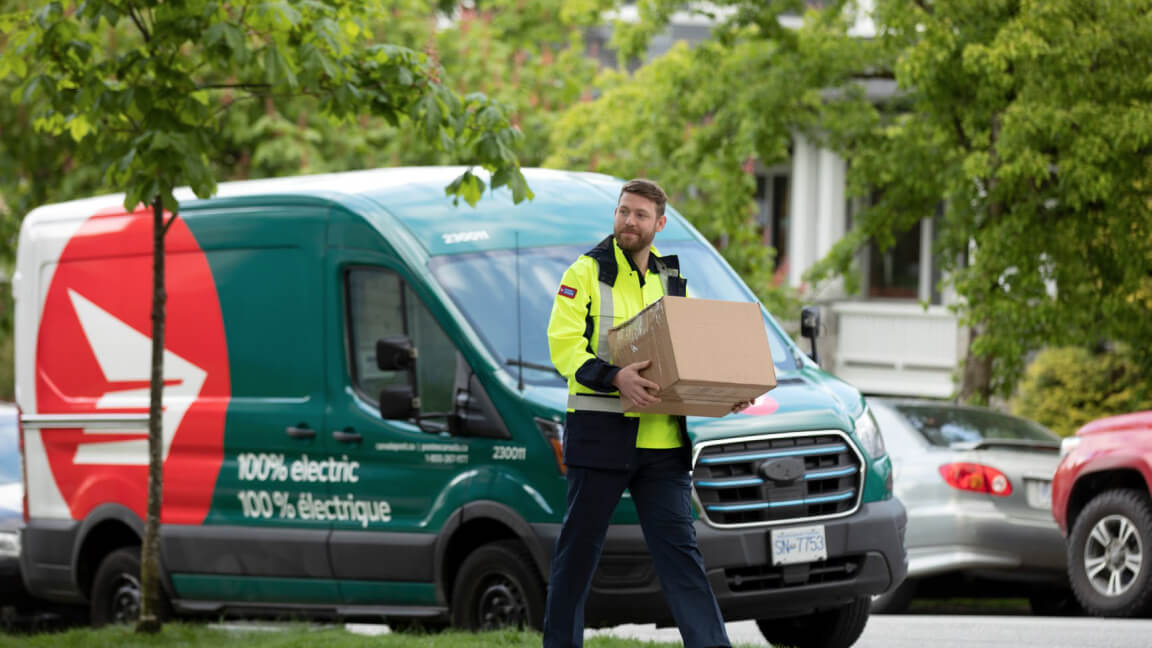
(509, 453)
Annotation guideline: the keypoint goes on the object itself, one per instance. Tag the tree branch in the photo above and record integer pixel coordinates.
(233, 86)
(164, 230)
(964, 141)
(139, 24)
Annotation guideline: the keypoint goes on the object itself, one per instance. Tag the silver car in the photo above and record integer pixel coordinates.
(977, 487)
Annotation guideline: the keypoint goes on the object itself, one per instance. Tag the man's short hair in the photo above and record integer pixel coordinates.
(646, 189)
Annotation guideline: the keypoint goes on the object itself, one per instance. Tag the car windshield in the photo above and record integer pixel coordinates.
(484, 286)
(9, 451)
(944, 426)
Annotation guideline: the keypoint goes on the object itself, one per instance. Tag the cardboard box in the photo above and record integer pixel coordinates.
(706, 355)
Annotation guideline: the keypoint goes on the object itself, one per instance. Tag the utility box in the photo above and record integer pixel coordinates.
(707, 355)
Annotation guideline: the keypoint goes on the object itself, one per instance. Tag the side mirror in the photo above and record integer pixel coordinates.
(395, 354)
(810, 328)
(810, 321)
(398, 402)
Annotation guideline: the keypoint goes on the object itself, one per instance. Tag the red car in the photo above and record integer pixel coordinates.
(1102, 501)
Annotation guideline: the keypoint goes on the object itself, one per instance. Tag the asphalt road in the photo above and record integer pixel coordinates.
(920, 631)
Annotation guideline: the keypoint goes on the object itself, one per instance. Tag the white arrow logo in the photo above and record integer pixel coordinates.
(125, 355)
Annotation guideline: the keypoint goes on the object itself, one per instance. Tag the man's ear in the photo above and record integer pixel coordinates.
(660, 222)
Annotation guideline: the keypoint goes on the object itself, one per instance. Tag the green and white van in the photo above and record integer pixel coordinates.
(313, 466)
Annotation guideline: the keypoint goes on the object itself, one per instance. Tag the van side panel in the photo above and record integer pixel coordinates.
(93, 357)
(259, 538)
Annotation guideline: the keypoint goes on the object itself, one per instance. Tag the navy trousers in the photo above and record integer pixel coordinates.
(661, 490)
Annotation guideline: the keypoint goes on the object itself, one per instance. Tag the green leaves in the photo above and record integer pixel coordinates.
(277, 70)
(466, 186)
(1023, 122)
(140, 90)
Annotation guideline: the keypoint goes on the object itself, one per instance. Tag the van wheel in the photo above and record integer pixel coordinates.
(116, 588)
(1108, 554)
(497, 587)
(836, 628)
(115, 595)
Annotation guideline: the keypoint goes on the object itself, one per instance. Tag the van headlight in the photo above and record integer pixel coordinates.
(868, 434)
(9, 544)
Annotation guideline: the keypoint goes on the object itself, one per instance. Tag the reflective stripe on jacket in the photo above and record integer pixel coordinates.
(600, 290)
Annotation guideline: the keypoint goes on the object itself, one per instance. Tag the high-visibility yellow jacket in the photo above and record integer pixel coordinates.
(602, 289)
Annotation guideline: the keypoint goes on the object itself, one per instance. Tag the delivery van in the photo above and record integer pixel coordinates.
(361, 419)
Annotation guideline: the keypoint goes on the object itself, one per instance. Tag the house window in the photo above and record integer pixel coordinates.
(906, 269)
(773, 190)
(895, 272)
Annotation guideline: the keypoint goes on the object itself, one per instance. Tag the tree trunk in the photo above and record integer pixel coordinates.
(150, 621)
(976, 384)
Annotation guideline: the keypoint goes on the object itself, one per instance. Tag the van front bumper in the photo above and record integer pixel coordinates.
(866, 557)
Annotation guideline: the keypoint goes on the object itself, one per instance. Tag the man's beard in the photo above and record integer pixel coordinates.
(636, 242)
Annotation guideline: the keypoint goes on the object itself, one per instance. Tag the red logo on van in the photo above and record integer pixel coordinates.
(94, 356)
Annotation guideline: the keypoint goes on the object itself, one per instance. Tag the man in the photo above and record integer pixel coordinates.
(606, 450)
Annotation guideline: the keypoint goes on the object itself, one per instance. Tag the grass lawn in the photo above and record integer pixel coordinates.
(191, 635)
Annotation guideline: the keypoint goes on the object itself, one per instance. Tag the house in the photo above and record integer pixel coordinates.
(898, 336)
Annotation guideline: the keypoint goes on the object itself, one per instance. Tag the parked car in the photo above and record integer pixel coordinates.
(1100, 499)
(976, 486)
(11, 509)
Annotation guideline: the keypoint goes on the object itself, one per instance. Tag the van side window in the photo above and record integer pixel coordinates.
(381, 305)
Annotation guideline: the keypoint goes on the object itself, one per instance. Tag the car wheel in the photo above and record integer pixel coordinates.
(1107, 552)
(836, 628)
(116, 588)
(497, 587)
(896, 601)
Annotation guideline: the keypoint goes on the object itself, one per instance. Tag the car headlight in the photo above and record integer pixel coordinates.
(1068, 444)
(9, 544)
(868, 434)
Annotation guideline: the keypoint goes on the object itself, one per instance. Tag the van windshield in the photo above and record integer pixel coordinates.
(484, 286)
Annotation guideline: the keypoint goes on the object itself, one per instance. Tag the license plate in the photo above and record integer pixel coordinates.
(798, 545)
(1039, 493)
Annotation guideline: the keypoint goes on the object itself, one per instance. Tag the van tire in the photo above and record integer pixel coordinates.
(115, 595)
(498, 587)
(116, 588)
(1107, 515)
(836, 628)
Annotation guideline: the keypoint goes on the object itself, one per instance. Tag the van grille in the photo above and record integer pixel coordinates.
(778, 478)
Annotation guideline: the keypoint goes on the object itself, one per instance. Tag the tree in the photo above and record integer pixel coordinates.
(1026, 122)
(527, 55)
(699, 118)
(1030, 121)
(147, 108)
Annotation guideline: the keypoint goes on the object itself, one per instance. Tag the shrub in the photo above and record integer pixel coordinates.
(1064, 388)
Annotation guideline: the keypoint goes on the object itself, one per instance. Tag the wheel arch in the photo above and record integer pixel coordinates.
(107, 528)
(475, 525)
(1092, 484)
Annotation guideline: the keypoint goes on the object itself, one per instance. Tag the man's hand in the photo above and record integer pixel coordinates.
(635, 387)
(741, 406)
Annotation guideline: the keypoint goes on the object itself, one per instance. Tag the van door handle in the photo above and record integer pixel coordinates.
(347, 435)
(300, 431)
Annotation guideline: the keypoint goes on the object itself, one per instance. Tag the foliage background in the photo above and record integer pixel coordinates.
(1064, 388)
(1026, 123)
